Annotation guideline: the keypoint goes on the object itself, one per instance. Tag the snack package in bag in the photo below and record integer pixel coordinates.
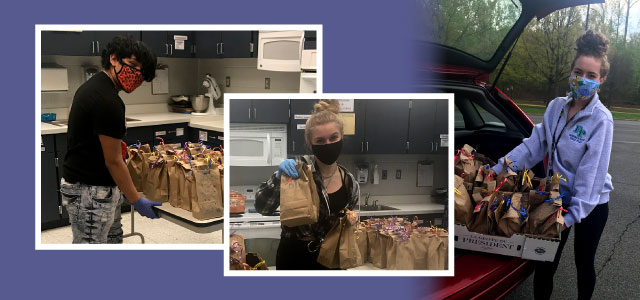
(299, 199)
(463, 206)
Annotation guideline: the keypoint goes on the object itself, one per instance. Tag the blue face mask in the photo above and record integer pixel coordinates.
(582, 88)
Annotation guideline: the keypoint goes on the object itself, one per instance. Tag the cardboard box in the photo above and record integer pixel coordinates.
(517, 245)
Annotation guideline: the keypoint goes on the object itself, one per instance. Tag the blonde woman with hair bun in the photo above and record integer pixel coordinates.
(338, 190)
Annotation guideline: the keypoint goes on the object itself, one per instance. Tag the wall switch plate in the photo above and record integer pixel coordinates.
(384, 175)
(398, 174)
(228, 83)
(267, 83)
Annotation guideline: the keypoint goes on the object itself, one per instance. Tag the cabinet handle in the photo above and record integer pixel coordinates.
(171, 48)
(56, 162)
(367, 147)
(436, 146)
(362, 147)
(59, 209)
(255, 114)
(407, 146)
(294, 147)
(431, 146)
(217, 48)
(222, 48)
(249, 113)
(93, 47)
(98, 46)
(166, 49)
(251, 47)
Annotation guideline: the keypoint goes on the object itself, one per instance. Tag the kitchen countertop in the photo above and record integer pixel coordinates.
(215, 122)
(403, 209)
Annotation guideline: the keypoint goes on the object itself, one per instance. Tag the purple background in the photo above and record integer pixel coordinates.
(366, 49)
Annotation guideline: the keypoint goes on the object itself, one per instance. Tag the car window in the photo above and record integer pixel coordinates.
(458, 118)
(476, 27)
(487, 117)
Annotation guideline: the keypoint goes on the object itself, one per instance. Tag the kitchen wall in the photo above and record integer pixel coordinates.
(389, 187)
(246, 78)
(185, 78)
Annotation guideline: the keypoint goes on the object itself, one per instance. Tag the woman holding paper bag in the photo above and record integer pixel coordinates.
(576, 133)
(335, 185)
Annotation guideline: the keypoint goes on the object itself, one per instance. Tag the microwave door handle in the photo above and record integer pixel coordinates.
(269, 162)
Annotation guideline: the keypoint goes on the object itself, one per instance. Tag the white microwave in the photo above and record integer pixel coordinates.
(257, 144)
(280, 50)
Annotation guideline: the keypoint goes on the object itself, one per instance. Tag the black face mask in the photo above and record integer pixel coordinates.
(327, 153)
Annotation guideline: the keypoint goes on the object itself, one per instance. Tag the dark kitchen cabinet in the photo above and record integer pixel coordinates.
(309, 40)
(224, 44)
(144, 135)
(271, 111)
(49, 204)
(422, 126)
(300, 111)
(61, 151)
(387, 125)
(442, 124)
(354, 144)
(84, 43)
(170, 133)
(210, 138)
(163, 43)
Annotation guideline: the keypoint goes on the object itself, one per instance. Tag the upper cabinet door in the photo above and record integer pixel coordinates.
(354, 143)
(236, 44)
(68, 43)
(387, 125)
(157, 41)
(207, 44)
(300, 111)
(442, 124)
(240, 111)
(102, 38)
(422, 130)
(178, 46)
(271, 111)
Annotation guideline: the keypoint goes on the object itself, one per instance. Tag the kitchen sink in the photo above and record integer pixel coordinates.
(376, 208)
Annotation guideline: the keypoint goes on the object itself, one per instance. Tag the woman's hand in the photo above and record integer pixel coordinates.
(352, 216)
(288, 166)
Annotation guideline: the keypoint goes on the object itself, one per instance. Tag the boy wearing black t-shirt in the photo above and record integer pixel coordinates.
(95, 174)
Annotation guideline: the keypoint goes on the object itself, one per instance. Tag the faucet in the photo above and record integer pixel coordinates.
(375, 203)
(366, 199)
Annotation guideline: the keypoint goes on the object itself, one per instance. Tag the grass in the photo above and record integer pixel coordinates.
(619, 113)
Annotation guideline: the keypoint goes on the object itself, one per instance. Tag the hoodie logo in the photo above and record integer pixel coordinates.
(578, 134)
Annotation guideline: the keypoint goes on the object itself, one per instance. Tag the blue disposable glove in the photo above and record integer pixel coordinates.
(288, 166)
(143, 206)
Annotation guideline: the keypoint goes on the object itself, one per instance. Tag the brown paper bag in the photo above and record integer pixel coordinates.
(537, 197)
(329, 255)
(156, 187)
(419, 241)
(135, 164)
(436, 253)
(512, 221)
(362, 241)
(508, 172)
(496, 209)
(350, 256)
(404, 254)
(463, 206)
(209, 198)
(174, 181)
(464, 164)
(145, 169)
(299, 199)
(480, 220)
(525, 181)
(255, 262)
(236, 247)
(186, 182)
(546, 219)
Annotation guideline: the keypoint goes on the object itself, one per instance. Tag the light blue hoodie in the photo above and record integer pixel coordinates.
(582, 154)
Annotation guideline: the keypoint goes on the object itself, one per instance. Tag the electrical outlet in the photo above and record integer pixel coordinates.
(384, 174)
(398, 174)
(267, 83)
(228, 84)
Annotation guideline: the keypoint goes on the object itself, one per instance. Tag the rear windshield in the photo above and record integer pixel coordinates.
(476, 27)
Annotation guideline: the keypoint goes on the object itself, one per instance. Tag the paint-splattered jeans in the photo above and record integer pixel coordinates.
(94, 212)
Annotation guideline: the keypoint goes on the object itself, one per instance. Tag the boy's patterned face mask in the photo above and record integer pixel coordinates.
(582, 88)
(129, 77)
